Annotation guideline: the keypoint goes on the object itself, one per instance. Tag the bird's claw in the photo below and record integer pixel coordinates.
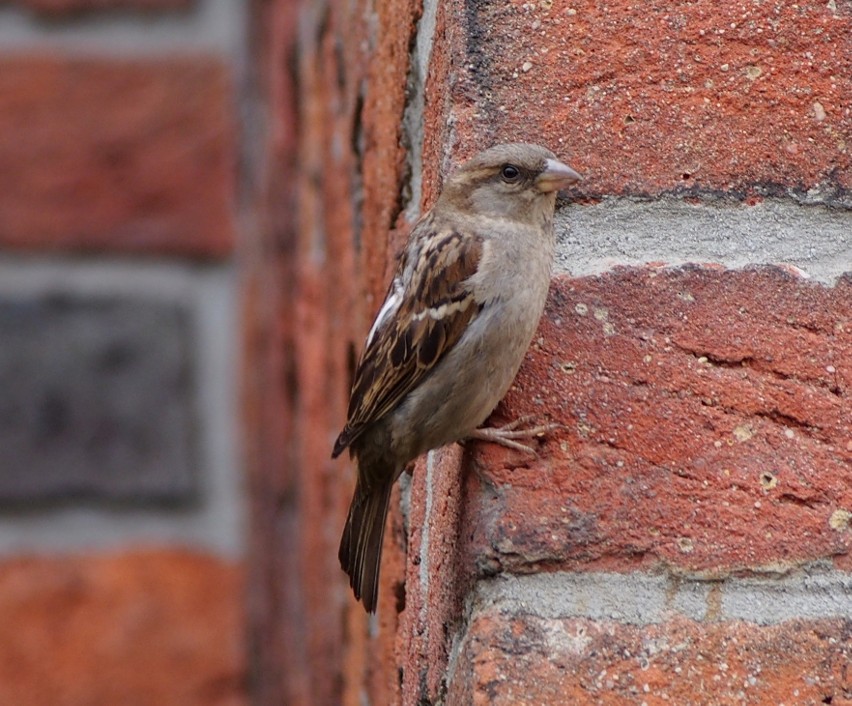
(508, 434)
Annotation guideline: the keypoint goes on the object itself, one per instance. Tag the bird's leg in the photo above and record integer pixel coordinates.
(508, 434)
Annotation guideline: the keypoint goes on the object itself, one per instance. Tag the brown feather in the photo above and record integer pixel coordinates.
(360, 550)
(431, 370)
(434, 313)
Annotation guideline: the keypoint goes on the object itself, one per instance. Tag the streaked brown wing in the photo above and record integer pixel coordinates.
(437, 306)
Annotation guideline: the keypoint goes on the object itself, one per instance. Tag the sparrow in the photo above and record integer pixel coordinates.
(463, 305)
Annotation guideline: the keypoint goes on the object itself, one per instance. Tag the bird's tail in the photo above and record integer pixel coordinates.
(361, 544)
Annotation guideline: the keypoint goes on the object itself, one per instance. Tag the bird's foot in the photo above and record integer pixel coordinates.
(508, 434)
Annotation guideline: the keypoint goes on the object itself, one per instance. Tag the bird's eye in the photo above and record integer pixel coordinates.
(510, 173)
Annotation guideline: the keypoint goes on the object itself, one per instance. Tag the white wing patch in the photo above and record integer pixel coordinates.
(388, 309)
(439, 312)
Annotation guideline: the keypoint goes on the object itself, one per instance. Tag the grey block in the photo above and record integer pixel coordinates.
(623, 231)
(813, 592)
(95, 399)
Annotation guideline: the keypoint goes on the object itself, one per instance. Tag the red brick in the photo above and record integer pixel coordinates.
(437, 578)
(355, 162)
(381, 148)
(525, 659)
(62, 7)
(706, 427)
(647, 98)
(287, 571)
(138, 628)
(309, 310)
(119, 156)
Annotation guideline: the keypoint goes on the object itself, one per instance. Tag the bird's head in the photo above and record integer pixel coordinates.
(517, 181)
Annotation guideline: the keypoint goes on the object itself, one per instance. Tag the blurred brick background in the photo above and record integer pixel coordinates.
(182, 179)
(122, 521)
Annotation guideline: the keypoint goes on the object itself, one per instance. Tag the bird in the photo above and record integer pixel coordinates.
(459, 314)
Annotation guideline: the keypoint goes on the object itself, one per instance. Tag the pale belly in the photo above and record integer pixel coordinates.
(466, 385)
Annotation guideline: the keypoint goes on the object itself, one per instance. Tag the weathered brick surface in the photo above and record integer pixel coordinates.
(525, 659)
(133, 156)
(382, 147)
(705, 431)
(706, 426)
(136, 628)
(437, 579)
(309, 311)
(646, 98)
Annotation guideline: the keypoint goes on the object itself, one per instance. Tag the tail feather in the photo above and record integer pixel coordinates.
(361, 544)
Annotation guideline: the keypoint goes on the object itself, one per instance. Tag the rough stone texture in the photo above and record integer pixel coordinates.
(383, 149)
(131, 156)
(706, 427)
(65, 7)
(524, 659)
(812, 592)
(813, 239)
(136, 628)
(704, 434)
(437, 579)
(97, 399)
(647, 98)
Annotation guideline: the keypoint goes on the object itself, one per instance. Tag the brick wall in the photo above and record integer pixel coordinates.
(686, 538)
(121, 521)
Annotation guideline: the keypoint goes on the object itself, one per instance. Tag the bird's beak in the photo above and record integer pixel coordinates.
(556, 176)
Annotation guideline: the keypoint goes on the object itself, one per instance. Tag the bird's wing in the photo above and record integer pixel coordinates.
(428, 308)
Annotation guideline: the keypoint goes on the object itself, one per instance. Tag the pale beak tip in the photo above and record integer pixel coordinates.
(557, 176)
